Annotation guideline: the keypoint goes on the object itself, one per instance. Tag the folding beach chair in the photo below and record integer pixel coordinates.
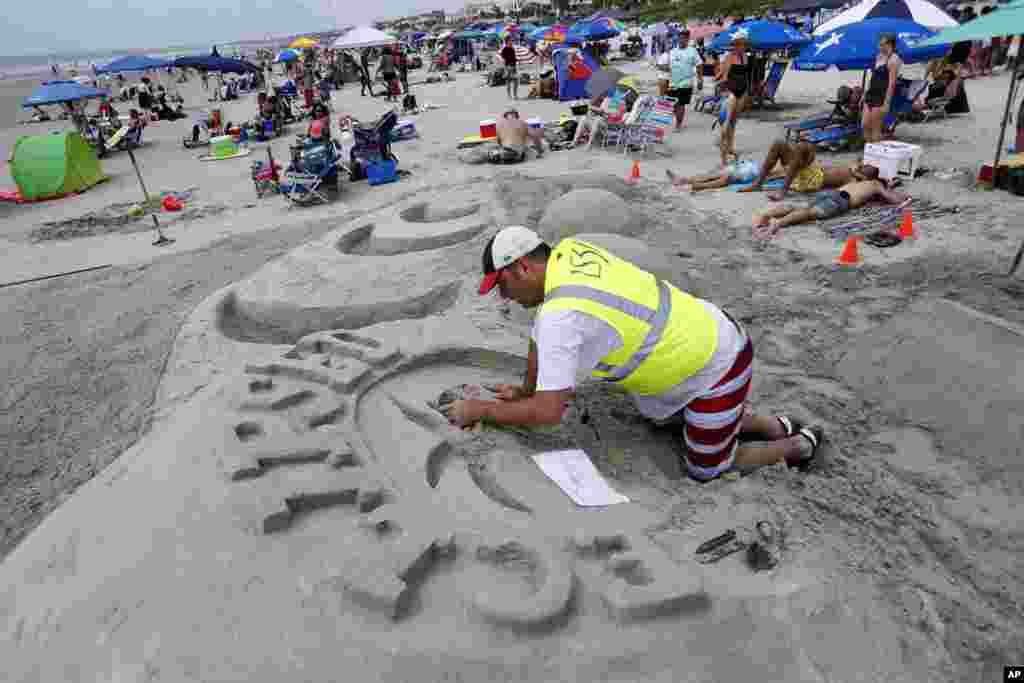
(650, 124)
(841, 136)
(938, 106)
(304, 186)
(842, 114)
(130, 140)
(709, 104)
(771, 84)
(616, 117)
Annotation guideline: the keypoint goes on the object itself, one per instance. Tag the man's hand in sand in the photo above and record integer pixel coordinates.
(507, 392)
(462, 413)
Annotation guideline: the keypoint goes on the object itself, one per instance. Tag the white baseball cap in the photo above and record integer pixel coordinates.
(504, 249)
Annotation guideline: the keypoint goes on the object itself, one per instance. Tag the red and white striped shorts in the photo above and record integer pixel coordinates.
(712, 421)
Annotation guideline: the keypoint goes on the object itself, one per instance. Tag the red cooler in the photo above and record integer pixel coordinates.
(488, 129)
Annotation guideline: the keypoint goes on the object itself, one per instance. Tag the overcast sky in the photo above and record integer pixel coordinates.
(43, 26)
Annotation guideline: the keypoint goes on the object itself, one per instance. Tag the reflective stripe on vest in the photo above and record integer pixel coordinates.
(657, 319)
(667, 335)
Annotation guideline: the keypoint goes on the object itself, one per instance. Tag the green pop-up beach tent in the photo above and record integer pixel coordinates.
(48, 166)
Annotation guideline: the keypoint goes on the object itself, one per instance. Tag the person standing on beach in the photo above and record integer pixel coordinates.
(386, 68)
(881, 87)
(364, 73)
(402, 62)
(684, 67)
(687, 364)
(508, 56)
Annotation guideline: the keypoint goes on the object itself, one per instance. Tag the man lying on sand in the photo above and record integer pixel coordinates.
(802, 173)
(828, 204)
(687, 363)
(734, 172)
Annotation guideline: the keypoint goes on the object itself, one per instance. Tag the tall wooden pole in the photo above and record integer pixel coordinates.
(161, 239)
(1006, 118)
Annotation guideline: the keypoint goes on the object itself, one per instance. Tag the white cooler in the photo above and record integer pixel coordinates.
(892, 158)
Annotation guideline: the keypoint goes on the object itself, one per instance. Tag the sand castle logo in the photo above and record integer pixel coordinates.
(911, 39)
(832, 40)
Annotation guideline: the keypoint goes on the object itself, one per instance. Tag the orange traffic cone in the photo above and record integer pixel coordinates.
(634, 175)
(907, 226)
(850, 256)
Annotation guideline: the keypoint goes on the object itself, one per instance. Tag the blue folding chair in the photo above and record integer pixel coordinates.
(772, 83)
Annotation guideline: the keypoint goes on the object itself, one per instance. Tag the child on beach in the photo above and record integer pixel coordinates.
(737, 172)
(727, 122)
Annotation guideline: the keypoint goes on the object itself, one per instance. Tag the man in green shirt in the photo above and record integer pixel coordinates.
(684, 66)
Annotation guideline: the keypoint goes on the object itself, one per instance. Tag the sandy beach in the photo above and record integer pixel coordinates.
(161, 514)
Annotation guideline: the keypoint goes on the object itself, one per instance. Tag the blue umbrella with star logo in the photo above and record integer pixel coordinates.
(761, 34)
(855, 46)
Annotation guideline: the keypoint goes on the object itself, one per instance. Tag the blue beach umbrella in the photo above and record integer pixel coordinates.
(537, 33)
(762, 34)
(216, 63)
(598, 29)
(287, 55)
(56, 92)
(132, 63)
(855, 46)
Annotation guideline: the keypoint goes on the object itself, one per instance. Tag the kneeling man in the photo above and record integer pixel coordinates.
(686, 363)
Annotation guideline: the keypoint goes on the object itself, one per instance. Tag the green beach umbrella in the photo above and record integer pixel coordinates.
(1006, 21)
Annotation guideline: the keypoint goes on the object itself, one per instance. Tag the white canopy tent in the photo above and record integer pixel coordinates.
(364, 36)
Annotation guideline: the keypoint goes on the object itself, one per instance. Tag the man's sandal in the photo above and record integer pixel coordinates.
(816, 437)
(719, 547)
(789, 425)
(763, 554)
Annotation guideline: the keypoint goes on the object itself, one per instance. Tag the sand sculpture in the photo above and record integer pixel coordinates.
(588, 210)
(312, 512)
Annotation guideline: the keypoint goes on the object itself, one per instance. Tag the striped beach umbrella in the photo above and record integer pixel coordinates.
(918, 11)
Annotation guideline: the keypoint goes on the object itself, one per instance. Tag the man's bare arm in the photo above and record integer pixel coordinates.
(542, 408)
(892, 196)
(530, 386)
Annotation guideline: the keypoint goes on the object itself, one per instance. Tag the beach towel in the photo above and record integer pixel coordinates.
(474, 140)
(243, 152)
(768, 185)
(875, 217)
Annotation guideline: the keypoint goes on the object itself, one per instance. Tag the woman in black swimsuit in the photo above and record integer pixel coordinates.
(735, 70)
(878, 96)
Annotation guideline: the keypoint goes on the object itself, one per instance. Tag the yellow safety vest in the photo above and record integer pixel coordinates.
(667, 335)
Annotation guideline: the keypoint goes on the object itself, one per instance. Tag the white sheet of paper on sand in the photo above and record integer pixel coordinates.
(577, 476)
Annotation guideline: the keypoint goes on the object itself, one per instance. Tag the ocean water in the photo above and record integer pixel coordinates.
(39, 66)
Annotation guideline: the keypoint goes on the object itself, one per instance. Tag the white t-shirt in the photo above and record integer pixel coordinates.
(570, 344)
(662, 63)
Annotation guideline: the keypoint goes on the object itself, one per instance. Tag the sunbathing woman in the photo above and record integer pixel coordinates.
(826, 205)
(803, 173)
(735, 172)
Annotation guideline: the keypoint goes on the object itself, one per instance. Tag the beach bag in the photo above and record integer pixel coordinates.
(409, 102)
